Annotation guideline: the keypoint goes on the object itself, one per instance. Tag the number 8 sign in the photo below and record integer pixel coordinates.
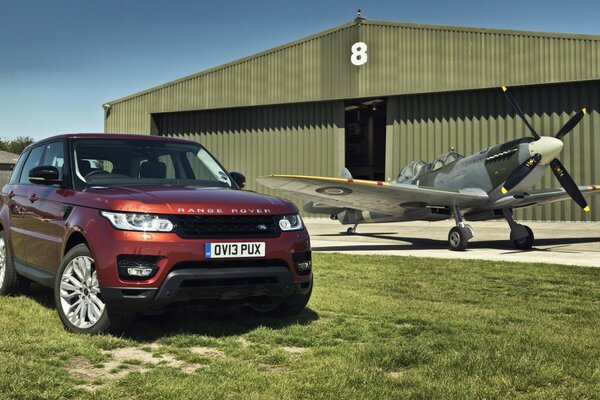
(359, 53)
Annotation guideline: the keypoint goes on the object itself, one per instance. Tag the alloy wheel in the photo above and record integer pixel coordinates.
(79, 293)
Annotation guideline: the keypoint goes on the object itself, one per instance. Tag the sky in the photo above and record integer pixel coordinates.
(60, 60)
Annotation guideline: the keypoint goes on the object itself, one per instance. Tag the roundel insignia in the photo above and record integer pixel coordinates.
(334, 190)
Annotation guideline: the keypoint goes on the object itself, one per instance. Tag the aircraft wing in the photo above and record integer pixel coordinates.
(541, 196)
(375, 196)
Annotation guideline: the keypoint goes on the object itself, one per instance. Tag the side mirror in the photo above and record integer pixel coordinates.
(239, 179)
(45, 175)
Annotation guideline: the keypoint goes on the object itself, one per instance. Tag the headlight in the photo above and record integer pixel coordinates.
(138, 222)
(291, 222)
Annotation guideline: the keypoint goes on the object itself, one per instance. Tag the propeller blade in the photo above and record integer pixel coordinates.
(571, 123)
(520, 112)
(521, 172)
(568, 184)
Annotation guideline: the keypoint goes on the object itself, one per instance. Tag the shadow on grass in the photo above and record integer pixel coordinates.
(215, 321)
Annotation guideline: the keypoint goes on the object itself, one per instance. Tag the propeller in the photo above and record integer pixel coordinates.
(521, 172)
(571, 123)
(520, 112)
(552, 145)
(568, 183)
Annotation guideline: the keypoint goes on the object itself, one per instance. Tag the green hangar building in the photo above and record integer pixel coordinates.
(373, 96)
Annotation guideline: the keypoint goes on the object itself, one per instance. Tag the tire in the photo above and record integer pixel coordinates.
(458, 239)
(10, 282)
(78, 299)
(289, 308)
(527, 242)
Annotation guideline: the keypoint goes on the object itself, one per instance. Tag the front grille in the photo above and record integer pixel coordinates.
(226, 226)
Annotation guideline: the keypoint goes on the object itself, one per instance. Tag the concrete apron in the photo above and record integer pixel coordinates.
(567, 243)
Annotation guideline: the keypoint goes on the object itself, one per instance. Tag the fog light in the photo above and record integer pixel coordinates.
(137, 267)
(139, 271)
(303, 266)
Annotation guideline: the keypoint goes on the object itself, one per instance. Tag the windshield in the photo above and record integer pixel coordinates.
(109, 162)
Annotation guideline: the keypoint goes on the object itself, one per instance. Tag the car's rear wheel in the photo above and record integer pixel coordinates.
(78, 298)
(10, 282)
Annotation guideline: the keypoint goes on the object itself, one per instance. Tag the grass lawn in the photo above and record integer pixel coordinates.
(377, 327)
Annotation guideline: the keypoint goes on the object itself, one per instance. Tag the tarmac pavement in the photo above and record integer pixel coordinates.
(567, 243)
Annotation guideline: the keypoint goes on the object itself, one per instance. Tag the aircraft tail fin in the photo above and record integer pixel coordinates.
(346, 173)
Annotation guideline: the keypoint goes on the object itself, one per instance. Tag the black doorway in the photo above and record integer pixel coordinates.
(365, 123)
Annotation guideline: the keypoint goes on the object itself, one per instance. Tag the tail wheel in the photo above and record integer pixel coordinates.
(78, 298)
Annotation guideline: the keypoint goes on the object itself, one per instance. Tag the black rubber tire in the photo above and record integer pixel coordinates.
(109, 322)
(13, 283)
(527, 242)
(458, 239)
(289, 308)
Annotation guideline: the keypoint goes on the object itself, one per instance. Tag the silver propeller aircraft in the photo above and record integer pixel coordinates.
(482, 186)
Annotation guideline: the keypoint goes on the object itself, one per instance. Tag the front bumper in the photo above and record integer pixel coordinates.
(187, 285)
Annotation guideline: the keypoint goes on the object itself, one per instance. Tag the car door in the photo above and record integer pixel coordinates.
(20, 207)
(47, 213)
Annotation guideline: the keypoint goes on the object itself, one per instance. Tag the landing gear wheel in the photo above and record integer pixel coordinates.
(78, 299)
(10, 282)
(527, 242)
(458, 238)
(351, 230)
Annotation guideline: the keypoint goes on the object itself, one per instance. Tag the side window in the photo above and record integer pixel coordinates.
(199, 169)
(54, 156)
(18, 167)
(34, 159)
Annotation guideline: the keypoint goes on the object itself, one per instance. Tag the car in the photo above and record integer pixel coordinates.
(120, 224)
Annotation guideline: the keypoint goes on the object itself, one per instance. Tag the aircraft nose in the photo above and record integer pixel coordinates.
(548, 147)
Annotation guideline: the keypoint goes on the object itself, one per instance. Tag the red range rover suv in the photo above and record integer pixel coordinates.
(118, 224)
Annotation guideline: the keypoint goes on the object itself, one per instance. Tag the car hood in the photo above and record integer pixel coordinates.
(182, 200)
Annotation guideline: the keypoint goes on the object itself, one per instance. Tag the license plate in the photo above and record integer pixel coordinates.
(234, 250)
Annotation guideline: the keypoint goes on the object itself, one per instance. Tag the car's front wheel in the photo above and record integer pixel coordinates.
(78, 298)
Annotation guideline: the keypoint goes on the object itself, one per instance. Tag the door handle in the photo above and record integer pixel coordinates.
(11, 194)
(33, 198)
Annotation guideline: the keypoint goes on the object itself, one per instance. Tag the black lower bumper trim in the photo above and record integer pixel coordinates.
(207, 284)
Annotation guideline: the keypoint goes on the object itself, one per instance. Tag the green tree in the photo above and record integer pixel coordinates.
(16, 145)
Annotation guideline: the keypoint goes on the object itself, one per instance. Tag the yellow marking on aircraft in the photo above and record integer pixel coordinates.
(586, 209)
(336, 180)
(504, 88)
(584, 110)
(503, 190)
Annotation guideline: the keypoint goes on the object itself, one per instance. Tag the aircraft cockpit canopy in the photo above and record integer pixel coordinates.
(445, 159)
(411, 171)
(416, 168)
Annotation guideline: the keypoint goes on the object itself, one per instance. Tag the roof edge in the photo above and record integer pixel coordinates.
(235, 62)
(559, 35)
(358, 23)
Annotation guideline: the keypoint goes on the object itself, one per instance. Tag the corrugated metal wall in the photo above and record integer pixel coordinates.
(423, 126)
(305, 139)
(402, 59)
(407, 58)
